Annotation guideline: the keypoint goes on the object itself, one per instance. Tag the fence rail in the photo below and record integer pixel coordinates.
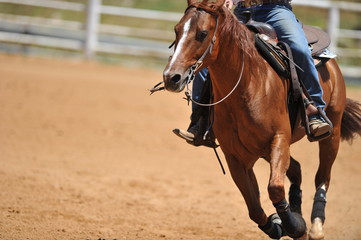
(94, 37)
(49, 4)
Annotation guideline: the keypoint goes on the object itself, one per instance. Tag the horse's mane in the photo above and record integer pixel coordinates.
(234, 34)
(237, 34)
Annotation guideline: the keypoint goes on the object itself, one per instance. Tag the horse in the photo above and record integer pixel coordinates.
(253, 121)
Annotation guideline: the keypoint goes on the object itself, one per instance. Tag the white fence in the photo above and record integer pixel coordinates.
(92, 38)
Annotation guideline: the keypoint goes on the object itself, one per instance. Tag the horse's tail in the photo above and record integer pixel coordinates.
(351, 120)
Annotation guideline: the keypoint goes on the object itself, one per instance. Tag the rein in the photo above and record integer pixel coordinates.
(195, 67)
(199, 62)
(188, 92)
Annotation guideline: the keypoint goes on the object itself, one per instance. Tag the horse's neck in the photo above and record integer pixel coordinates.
(237, 57)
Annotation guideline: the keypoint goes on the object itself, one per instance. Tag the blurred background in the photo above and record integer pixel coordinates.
(86, 153)
(135, 32)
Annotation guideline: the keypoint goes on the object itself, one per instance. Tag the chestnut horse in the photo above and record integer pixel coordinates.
(253, 121)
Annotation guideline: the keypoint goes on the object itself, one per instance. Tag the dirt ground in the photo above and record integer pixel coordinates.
(86, 153)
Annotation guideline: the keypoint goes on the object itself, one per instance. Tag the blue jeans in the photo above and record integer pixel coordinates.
(290, 31)
(197, 87)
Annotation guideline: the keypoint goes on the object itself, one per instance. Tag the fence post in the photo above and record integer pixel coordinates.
(333, 27)
(91, 28)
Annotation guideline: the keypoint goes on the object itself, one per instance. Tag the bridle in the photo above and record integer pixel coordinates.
(196, 66)
(188, 92)
(199, 63)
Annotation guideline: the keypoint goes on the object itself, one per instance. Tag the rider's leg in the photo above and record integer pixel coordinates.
(198, 83)
(199, 117)
(290, 31)
(197, 95)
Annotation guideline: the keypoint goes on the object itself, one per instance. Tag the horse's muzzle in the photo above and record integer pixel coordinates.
(174, 82)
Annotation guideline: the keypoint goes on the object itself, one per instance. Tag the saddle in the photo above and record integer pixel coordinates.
(279, 56)
(317, 39)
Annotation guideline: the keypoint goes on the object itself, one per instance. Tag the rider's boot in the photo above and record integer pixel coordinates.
(198, 133)
(317, 124)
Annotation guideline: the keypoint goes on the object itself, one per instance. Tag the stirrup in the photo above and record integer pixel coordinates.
(319, 127)
(307, 102)
(321, 132)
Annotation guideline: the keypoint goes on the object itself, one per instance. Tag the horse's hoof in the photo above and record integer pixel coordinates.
(316, 231)
(273, 228)
(299, 224)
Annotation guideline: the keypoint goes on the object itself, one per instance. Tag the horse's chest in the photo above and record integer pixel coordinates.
(240, 131)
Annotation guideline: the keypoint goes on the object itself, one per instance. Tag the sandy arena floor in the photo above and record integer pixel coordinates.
(86, 153)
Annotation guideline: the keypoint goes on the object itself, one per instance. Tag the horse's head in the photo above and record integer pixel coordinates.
(195, 37)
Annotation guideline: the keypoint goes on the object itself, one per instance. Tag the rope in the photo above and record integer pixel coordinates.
(188, 92)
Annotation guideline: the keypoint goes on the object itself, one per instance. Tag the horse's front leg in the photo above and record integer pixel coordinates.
(328, 152)
(292, 222)
(246, 182)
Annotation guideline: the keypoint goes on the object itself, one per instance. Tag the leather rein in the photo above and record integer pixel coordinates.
(195, 67)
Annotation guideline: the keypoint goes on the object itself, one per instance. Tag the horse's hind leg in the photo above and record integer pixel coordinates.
(328, 151)
(295, 193)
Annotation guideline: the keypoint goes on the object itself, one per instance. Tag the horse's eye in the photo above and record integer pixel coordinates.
(201, 35)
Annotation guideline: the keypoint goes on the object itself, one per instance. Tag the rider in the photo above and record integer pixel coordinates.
(277, 13)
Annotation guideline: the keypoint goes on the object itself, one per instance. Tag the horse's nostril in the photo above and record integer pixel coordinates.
(175, 79)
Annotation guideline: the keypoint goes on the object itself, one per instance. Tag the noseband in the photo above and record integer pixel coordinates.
(199, 62)
(196, 66)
